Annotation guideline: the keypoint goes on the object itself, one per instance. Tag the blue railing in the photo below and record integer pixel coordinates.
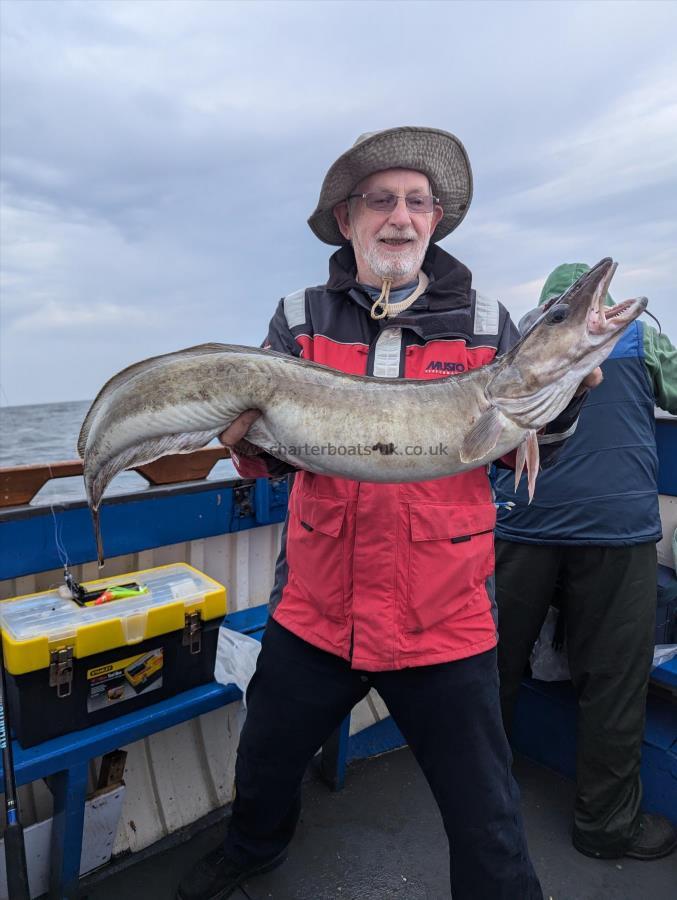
(132, 522)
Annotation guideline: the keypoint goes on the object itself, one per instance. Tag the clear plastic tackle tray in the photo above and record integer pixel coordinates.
(35, 624)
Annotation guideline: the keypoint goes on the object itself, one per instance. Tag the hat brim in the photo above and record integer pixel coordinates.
(438, 154)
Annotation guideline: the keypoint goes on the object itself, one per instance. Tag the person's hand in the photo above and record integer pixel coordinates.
(233, 436)
(595, 378)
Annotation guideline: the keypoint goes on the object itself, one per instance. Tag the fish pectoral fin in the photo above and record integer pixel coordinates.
(529, 453)
(483, 436)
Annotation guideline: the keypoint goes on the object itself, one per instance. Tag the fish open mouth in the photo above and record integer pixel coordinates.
(607, 320)
(622, 312)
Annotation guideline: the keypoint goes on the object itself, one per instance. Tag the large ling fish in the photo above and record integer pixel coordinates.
(368, 429)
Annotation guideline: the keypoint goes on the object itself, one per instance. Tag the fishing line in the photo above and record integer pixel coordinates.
(60, 546)
(651, 316)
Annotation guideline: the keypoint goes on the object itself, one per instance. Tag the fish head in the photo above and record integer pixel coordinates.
(575, 333)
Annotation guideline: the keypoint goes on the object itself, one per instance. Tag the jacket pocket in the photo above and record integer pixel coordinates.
(315, 552)
(451, 554)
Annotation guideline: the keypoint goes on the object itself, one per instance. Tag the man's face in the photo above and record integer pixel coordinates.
(388, 244)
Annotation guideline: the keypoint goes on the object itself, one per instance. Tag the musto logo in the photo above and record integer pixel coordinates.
(437, 367)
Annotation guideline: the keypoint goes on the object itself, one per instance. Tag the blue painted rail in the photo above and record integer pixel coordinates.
(154, 517)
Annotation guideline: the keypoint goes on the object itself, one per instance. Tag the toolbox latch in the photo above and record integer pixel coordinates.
(61, 671)
(192, 632)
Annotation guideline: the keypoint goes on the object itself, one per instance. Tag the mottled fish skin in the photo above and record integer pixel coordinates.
(350, 426)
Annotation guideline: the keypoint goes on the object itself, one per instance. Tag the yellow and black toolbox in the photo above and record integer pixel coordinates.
(75, 658)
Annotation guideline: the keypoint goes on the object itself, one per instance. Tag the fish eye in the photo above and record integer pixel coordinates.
(557, 314)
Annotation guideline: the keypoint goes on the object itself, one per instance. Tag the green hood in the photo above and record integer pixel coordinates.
(562, 278)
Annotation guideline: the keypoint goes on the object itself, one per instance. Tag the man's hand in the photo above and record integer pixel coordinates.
(595, 378)
(233, 436)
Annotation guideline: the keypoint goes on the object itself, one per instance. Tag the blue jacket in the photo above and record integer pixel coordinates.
(603, 487)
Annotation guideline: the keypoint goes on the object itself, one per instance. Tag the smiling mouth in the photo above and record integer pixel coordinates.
(395, 242)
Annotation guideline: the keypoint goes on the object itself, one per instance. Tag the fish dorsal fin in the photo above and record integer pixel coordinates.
(126, 374)
(483, 436)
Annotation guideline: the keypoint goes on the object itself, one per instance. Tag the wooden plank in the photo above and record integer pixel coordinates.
(20, 484)
(183, 466)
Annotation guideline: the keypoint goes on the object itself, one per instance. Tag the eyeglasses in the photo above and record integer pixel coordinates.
(384, 201)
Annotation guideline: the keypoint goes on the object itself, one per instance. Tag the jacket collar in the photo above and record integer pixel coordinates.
(450, 281)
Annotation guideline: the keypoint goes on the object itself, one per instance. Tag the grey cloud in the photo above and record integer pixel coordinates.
(160, 159)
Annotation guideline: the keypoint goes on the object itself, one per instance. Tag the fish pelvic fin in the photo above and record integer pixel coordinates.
(483, 436)
(520, 460)
(528, 453)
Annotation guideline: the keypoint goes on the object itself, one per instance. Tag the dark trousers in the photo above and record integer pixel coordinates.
(609, 597)
(450, 716)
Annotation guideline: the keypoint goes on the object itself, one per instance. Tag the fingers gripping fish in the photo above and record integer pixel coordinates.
(179, 402)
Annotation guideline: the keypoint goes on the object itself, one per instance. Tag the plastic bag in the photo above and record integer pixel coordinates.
(663, 653)
(548, 664)
(236, 656)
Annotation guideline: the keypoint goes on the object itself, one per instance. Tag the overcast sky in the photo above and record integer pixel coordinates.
(160, 159)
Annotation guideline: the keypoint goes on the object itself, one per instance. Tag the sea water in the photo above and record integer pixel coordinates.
(47, 433)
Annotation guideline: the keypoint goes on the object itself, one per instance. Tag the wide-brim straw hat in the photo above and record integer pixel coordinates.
(438, 154)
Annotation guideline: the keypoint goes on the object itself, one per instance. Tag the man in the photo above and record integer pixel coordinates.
(384, 585)
(590, 533)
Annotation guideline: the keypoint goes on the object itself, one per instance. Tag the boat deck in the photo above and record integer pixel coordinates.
(381, 837)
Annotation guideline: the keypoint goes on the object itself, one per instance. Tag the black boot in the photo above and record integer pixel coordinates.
(215, 877)
(656, 838)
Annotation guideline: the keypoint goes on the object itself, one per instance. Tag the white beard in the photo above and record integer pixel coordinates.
(394, 265)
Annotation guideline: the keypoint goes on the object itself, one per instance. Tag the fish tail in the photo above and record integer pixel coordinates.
(97, 535)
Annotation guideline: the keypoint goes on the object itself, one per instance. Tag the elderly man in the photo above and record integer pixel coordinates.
(384, 585)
